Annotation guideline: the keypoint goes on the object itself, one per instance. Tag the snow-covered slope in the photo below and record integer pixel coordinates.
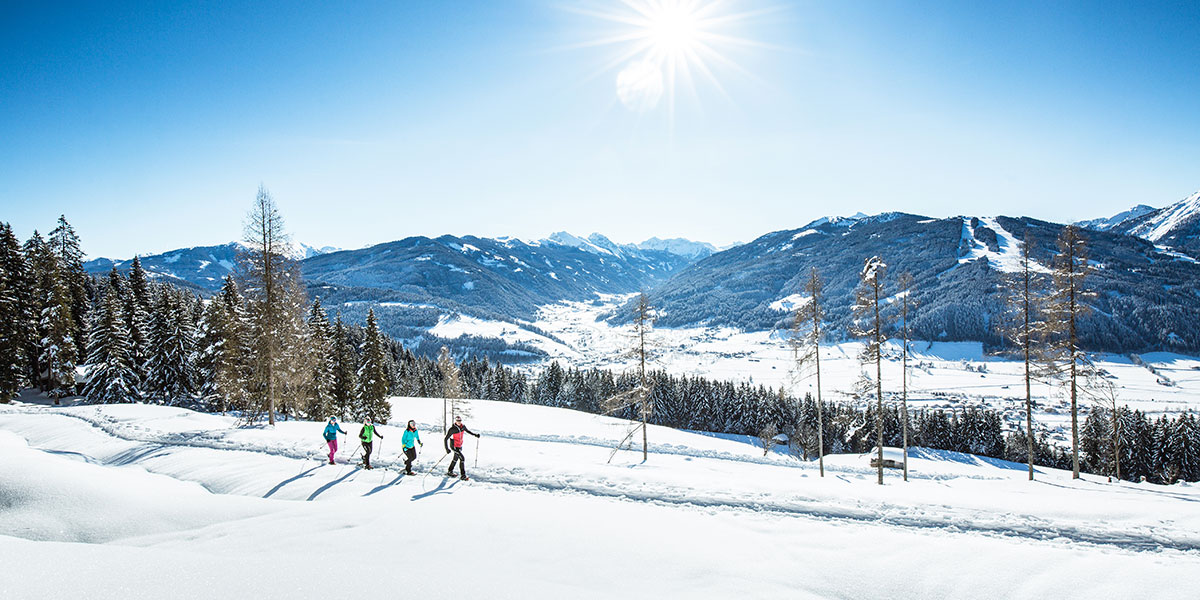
(127, 501)
(1107, 223)
(1177, 225)
(130, 502)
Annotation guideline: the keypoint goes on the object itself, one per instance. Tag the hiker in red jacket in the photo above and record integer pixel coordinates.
(455, 435)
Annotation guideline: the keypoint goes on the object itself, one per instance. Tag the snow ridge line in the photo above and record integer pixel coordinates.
(894, 516)
(677, 450)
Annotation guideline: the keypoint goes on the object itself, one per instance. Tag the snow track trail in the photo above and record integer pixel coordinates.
(691, 471)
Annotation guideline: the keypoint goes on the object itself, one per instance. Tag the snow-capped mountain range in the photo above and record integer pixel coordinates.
(1148, 296)
(1147, 278)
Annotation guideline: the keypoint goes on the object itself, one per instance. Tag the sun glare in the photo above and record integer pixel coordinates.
(665, 46)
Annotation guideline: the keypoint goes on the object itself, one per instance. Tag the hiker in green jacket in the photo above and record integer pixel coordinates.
(367, 435)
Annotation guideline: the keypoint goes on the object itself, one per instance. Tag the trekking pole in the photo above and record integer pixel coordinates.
(379, 452)
(477, 438)
(432, 469)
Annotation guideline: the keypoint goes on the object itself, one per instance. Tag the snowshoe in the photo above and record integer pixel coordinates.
(465, 478)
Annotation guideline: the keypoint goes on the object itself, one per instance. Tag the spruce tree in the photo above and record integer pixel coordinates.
(137, 318)
(345, 372)
(42, 273)
(372, 376)
(320, 396)
(111, 375)
(57, 358)
(65, 244)
(171, 377)
(15, 321)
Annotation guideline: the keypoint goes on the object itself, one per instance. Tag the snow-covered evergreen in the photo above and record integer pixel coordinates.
(111, 376)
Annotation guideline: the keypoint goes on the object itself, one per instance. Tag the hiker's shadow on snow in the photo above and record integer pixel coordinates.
(442, 488)
(280, 485)
(322, 489)
(384, 486)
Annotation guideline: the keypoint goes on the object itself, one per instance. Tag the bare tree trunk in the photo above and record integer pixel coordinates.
(820, 417)
(879, 380)
(904, 400)
(1028, 410)
(1116, 443)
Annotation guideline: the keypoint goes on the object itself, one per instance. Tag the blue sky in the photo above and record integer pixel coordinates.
(151, 125)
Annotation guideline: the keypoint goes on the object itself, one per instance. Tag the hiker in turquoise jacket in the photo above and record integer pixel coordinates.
(412, 437)
(367, 436)
(331, 431)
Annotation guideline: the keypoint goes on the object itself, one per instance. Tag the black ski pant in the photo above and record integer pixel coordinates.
(462, 463)
(367, 454)
(410, 454)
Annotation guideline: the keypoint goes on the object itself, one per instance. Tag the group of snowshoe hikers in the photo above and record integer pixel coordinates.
(453, 442)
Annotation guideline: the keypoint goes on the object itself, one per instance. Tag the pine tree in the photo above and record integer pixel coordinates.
(806, 349)
(372, 375)
(1064, 309)
(869, 325)
(111, 376)
(15, 321)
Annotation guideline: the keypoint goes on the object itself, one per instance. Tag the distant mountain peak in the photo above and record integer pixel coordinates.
(1174, 223)
(1107, 223)
(680, 247)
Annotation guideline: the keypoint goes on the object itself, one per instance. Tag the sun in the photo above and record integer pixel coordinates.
(673, 28)
(665, 47)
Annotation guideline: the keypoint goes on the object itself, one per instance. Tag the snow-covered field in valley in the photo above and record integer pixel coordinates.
(941, 374)
(138, 501)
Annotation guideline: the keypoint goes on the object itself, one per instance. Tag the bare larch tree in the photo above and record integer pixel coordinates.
(641, 397)
(869, 326)
(905, 283)
(270, 276)
(1064, 309)
(1022, 328)
(806, 349)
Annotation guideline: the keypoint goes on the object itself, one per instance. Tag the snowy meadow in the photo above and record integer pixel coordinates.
(129, 501)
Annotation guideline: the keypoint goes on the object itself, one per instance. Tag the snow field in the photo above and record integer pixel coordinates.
(132, 500)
